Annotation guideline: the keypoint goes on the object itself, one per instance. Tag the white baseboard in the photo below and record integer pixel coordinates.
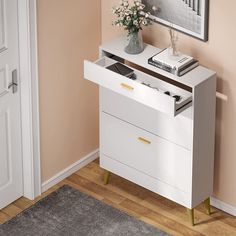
(70, 170)
(223, 206)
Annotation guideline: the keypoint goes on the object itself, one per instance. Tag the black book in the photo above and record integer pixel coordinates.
(121, 69)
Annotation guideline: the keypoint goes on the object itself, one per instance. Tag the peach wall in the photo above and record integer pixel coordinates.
(68, 32)
(218, 54)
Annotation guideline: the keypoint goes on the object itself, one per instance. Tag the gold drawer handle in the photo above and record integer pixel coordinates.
(143, 140)
(126, 86)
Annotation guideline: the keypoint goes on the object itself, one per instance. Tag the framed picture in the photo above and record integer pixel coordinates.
(187, 16)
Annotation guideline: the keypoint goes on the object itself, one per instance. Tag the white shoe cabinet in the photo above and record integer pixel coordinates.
(149, 138)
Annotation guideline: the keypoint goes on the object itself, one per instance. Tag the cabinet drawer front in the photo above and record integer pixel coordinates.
(176, 129)
(145, 152)
(145, 181)
(135, 90)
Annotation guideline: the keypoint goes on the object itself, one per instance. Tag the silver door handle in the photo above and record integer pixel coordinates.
(14, 83)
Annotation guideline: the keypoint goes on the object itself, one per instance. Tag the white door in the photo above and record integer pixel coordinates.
(11, 186)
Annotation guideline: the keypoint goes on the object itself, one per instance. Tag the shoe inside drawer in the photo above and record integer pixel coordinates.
(145, 89)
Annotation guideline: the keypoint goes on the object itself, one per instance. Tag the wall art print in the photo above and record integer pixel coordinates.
(188, 16)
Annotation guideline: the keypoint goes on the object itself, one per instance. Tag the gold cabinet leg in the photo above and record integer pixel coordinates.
(191, 216)
(106, 176)
(208, 206)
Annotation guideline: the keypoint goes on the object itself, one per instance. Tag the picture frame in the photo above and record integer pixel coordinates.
(188, 16)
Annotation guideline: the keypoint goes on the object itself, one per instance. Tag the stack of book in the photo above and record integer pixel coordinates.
(177, 65)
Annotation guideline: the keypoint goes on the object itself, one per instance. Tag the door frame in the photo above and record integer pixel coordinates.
(29, 92)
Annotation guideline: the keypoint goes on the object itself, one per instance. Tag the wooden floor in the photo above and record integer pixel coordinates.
(138, 202)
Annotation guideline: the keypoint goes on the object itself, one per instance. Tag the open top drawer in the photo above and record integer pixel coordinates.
(146, 89)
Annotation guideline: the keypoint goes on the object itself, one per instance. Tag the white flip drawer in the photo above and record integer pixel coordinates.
(145, 152)
(176, 129)
(138, 90)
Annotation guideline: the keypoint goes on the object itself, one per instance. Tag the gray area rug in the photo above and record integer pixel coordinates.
(68, 211)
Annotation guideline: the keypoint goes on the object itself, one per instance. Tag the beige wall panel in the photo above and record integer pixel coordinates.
(68, 32)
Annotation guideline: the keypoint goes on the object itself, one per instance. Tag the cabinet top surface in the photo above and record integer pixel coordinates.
(191, 79)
